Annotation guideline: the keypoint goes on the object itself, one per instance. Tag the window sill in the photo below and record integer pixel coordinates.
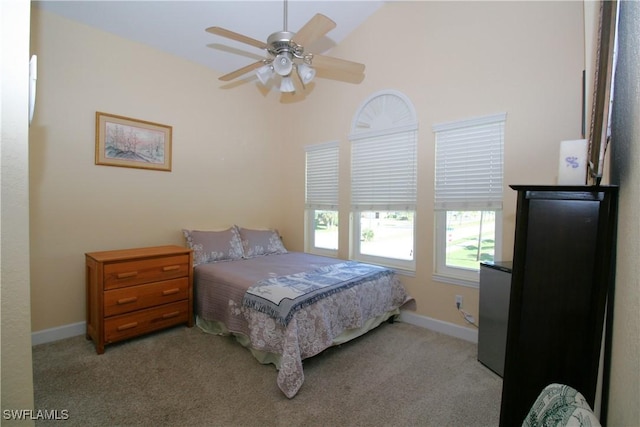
(323, 252)
(456, 281)
(403, 272)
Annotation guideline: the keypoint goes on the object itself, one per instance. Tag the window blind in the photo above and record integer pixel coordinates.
(469, 164)
(322, 171)
(383, 170)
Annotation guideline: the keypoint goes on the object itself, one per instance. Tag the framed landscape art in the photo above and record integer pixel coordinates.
(132, 143)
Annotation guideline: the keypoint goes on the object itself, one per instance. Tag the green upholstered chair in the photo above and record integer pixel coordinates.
(560, 405)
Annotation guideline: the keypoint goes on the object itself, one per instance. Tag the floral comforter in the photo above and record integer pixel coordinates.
(220, 288)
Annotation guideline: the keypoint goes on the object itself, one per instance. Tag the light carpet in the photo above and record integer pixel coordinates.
(396, 375)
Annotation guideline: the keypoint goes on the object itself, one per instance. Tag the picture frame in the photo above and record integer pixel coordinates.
(132, 143)
(606, 57)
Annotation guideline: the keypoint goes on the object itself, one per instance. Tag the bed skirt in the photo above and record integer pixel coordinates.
(265, 357)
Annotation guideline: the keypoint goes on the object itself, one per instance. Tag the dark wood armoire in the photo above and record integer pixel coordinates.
(561, 280)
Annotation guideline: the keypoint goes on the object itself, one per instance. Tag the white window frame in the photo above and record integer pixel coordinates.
(457, 275)
(453, 195)
(407, 267)
(382, 118)
(321, 190)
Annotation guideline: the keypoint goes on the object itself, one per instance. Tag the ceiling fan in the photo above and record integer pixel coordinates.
(287, 56)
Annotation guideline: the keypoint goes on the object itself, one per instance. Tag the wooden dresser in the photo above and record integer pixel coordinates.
(131, 292)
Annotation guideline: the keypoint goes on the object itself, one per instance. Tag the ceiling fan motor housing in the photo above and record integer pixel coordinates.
(281, 42)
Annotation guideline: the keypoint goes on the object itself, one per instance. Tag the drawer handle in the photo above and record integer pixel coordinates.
(127, 275)
(170, 291)
(127, 326)
(171, 268)
(170, 315)
(127, 300)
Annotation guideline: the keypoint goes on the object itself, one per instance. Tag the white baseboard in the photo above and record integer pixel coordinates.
(439, 326)
(75, 329)
(58, 333)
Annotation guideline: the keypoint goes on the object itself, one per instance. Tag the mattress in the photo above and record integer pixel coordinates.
(344, 311)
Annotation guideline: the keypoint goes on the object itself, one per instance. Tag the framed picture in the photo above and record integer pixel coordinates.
(606, 58)
(131, 143)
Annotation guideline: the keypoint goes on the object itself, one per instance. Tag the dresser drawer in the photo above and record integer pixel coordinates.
(136, 272)
(124, 300)
(139, 322)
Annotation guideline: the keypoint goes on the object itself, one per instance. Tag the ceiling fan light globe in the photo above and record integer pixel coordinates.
(283, 64)
(287, 85)
(265, 73)
(306, 73)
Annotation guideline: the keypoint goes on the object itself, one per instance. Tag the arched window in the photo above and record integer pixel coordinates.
(383, 137)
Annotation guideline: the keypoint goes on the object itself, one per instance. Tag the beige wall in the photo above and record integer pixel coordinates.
(454, 60)
(226, 157)
(234, 162)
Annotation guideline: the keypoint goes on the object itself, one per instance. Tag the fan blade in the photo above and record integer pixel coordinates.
(244, 70)
(235, 36)
(343, 76)
(235, 51)
(322, 61)
(297, 82)
(317, 27)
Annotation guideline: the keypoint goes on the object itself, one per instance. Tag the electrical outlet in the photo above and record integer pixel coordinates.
(459, 301)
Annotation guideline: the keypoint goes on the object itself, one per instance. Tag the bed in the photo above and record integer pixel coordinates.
(286, 306)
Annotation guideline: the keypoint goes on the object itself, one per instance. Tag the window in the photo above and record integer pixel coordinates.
(321, 198)
(468, 197)
(383, 181)
(386, 234)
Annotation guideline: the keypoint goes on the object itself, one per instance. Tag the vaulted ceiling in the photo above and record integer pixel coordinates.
(178, 27)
